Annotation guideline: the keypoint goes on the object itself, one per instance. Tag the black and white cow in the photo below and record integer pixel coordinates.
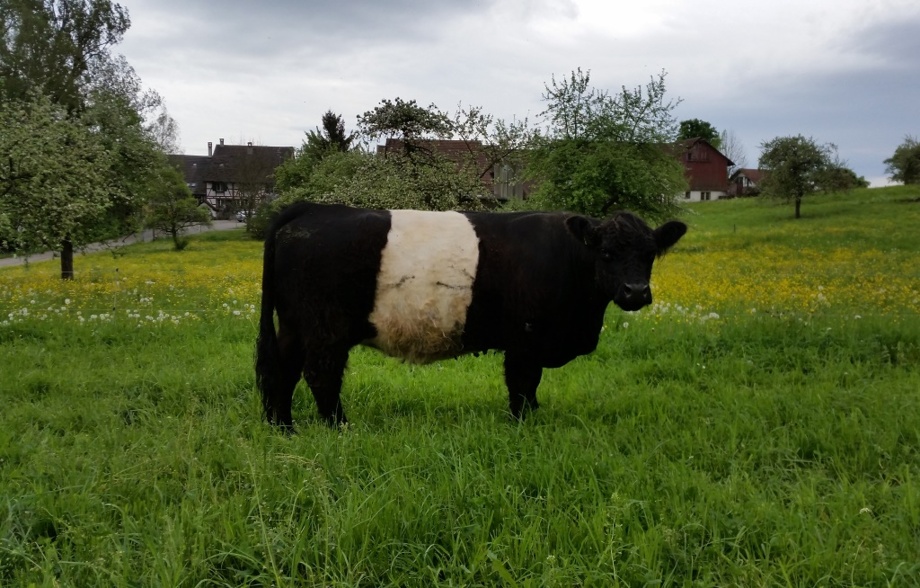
(425, 286)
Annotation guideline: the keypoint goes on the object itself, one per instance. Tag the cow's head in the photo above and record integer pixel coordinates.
(625, 248)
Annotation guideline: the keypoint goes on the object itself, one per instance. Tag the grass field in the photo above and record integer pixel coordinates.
(758, 426)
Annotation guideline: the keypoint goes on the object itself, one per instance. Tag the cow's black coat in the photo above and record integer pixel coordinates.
(541, 288)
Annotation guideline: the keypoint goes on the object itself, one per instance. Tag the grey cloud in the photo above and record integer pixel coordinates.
(894, 42)
(272, 27)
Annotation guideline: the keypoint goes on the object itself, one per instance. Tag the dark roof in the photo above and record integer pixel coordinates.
(687, 144)
(453, 149)
(245, 163)
(231, 164)
(192, 168)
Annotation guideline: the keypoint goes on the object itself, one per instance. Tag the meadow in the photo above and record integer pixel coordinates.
(759, 425)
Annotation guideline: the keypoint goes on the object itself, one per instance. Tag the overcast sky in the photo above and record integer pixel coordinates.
(841, 71)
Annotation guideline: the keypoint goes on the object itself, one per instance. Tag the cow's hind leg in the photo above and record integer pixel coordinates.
(323, 371)
(291, 354)
(522, 377)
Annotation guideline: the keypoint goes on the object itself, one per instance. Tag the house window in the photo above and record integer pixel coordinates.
(687, 195)
(705, 195)
(219, 187)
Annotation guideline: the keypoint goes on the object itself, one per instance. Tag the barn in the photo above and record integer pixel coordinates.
(706, 170)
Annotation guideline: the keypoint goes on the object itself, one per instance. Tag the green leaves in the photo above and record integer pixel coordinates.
(412, 175)
(602, 153)
(77, 153)
(52, 46)
(406, 120)
(172, 208)
(56, 176)
(695, 128)
(904, 165)
(797, 165)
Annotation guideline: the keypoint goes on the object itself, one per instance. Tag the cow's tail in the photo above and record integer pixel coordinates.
(268, 358)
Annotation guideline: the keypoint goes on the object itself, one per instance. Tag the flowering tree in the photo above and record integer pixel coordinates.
(55, 180)
(76, 149)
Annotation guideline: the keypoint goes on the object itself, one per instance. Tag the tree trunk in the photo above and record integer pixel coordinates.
(67, 259)
(798, 207)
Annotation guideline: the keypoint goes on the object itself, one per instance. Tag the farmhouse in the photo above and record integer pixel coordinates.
(746, 182)
(705, 168)
(231, 178)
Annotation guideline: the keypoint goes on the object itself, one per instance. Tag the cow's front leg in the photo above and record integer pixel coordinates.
(323, 371)
(522, 376)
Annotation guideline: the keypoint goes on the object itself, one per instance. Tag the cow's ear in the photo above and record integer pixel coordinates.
(583, 230)
(668, 234)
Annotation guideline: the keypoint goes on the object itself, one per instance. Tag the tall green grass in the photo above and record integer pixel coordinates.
(757, 449)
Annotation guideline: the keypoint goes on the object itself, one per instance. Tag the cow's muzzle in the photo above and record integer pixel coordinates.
(633, 296)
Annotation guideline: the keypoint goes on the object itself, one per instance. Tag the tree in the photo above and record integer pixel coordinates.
(302, 178)
(49, 47)
(732, 148)
(695, 128)
(490, 141)
(163, 130)
(296, 173)
(572, 105)
(415, 175)
(360, 178)
(395, 181)
(253, 179)
(796, 167)
(904, 165)
(602, 152)
(412, 175)
(172, 207)
(133, 157)
(406, 121)
(56, 52)
(837, 177)
(331, 138)
(55, 178)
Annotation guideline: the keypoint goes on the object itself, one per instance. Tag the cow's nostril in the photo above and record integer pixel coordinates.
(637, 290)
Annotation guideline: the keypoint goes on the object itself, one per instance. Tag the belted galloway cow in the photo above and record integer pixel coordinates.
(425, 286)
